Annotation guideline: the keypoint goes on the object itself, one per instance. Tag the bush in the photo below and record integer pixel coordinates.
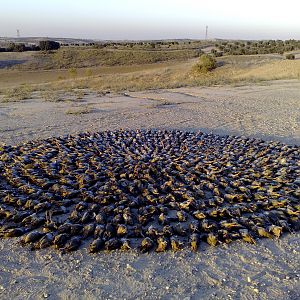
(12, 47)
(20, 48)
(218, 54)
(73, 72)
(290, 56)
(206, 63)
(260, 47)
(98, 46)
(49, 45)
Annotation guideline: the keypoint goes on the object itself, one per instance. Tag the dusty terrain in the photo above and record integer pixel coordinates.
(135, 71)
(269, 111)
(269, 270)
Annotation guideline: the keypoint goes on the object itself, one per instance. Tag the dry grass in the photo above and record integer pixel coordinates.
(284, 69)
(72, 58)
(20, 93)
(51, 96)
(249, 69)
(79, 94)
(79, 110)
(14, 78)
(235, 70)
(70, 93)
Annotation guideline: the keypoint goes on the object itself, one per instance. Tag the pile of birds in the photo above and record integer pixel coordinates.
(148, 190)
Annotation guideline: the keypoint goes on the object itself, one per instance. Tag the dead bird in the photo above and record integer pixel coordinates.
(127, 216)
(262, 232)
(101, 218)
(163, 219)
(153, 232)
(125, 244)
(275, 230)
(167, 231)
(12, 232)
(176, 244)
(180, 229)
(45, 242)
(72, 244)
(246, 236)
(110, 231)
(121, 230)
(162, 244)
(112, 244)
(32, 237)
(194, 241)
(224, 236)
(96, 245)
(212, 239)
(194, 226)
(60, 240)
(182, 216)
(76, 229)
(88, 230)
(146, 244)
(99, 231)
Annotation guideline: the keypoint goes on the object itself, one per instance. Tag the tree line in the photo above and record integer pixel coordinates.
(20, 47)
(257, 47)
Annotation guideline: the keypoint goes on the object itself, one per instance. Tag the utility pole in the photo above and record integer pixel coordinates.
(206, 33)
(18, 33)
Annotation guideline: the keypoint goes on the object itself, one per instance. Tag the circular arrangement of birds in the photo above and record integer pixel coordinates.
(151, 190)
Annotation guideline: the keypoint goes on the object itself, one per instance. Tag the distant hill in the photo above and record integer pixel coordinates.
(35, 40)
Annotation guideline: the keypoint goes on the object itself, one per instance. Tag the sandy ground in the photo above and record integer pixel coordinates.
(269, 270)
(270, 111)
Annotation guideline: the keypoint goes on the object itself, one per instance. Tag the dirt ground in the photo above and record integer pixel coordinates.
(270, 111)
(268, 270)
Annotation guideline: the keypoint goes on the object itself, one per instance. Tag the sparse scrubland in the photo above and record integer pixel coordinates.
(256, 47)
(90, 57)
(290, 56)
(140, 66)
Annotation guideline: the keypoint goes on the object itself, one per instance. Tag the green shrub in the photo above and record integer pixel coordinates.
(290, 56)
(49, 45)
(218, 54)
(22, 92)
(206, 63)
(73, 72)
(12, 47)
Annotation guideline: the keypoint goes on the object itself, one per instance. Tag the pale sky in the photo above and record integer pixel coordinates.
(151, 19)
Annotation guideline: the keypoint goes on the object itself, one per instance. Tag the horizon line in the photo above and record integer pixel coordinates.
(132, 40)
